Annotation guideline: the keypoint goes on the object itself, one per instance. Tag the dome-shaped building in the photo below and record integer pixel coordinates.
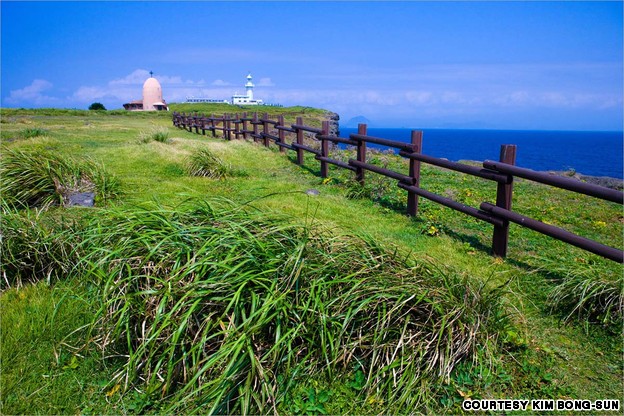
(152, 95)
(152, 98)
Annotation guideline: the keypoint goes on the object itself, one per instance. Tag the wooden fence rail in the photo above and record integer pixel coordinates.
(502, 172)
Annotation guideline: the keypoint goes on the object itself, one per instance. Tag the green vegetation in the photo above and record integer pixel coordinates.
(32, 132)
(42, 179)
(590, 296)
(159, 134)
(217, 302)
(97, 107)
(307, 113)
(205, 163)
(34, 247)
(179, 293)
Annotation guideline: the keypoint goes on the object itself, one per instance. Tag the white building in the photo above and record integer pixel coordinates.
(205, 100)
(237, 99)
(247, 99)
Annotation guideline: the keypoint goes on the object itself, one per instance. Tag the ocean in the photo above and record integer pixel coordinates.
(593, 153)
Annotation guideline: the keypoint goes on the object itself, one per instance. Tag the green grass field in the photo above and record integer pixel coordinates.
(208, 280)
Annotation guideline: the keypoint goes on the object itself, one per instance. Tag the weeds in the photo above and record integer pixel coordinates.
(34, 248)
(205, 163)
(32, 132)
(159, 134)
(378, 188)
(213, 303)
(43, 179)
(591, 296)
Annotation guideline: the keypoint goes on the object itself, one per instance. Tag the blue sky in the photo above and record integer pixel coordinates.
(513, 65)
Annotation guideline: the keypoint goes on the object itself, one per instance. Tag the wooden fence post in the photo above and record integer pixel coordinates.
(265, 129)
(504, 193)
(225, 123)
(414, 172)
(361, 155)
(324, 149)
(228, 127)
(236, 125)
(299, 141)
(255, 126)
(281, 133)
(245, 125)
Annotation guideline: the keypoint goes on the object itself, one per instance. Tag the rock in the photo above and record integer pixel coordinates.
(605, 181)
(82, 199)
(312, 192)
(334, 125)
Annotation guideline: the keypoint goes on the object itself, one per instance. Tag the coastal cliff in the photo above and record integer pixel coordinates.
(334, 123)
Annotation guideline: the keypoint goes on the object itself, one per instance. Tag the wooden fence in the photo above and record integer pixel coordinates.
(502, 172)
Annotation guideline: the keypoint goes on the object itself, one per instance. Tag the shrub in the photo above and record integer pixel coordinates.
(42, 179)
(205, 163)
(159, 134)
(223, 309)
(97, 106)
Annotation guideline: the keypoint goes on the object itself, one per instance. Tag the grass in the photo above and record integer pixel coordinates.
(289, 113)
(159, 134)
(43, 179)
(35, 247)
(218, 301)
(590, 296)
(519, 340)
(41, 373)
(32, 132)
(205, 163)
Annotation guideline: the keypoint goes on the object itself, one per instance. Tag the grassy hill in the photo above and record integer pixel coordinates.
(208, 278)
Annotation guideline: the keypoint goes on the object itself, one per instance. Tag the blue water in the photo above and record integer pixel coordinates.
(594, 153)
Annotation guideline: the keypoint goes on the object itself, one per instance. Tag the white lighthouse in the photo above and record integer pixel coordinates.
(247, 98)
(249, 87)
(237, 99)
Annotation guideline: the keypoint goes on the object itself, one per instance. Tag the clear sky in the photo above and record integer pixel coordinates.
(497, 64)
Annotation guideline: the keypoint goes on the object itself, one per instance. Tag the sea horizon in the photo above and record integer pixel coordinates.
(487, 128)
(586, 152)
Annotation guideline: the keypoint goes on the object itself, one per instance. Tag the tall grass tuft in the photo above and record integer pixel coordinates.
(34, 247)
(42, 179)
(220, 309)
(205, 163)
(32, 132)
(159, 134)
(590, 295)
